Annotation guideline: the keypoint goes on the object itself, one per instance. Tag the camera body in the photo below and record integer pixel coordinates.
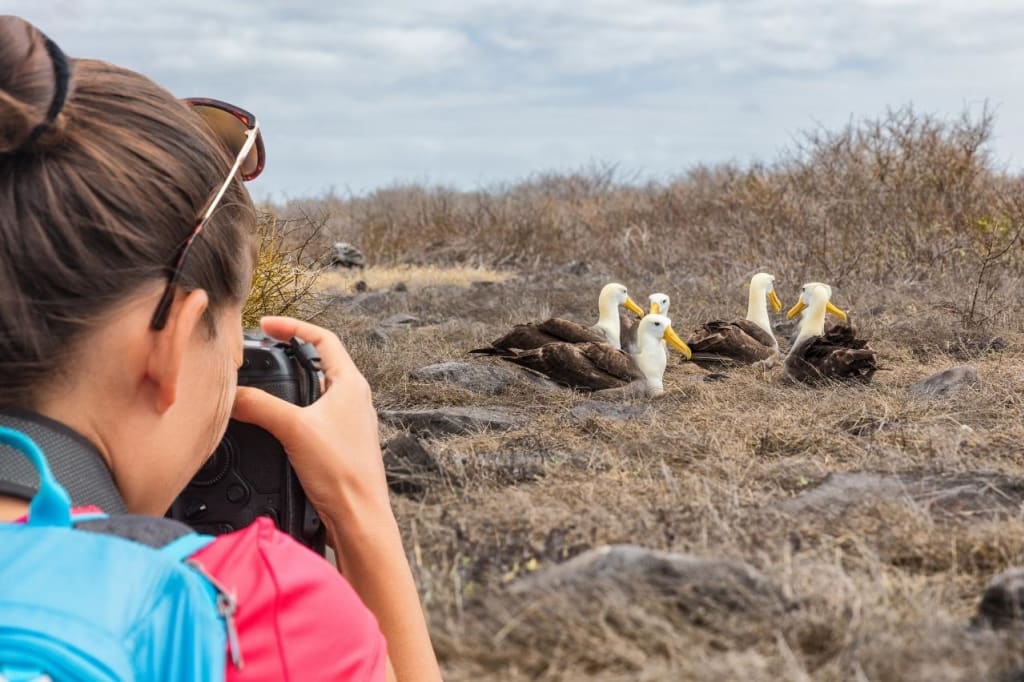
(249, 475)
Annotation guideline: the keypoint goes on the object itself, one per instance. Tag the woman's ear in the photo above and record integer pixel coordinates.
(172, 343)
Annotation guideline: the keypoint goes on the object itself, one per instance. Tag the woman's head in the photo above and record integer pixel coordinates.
(95, 206)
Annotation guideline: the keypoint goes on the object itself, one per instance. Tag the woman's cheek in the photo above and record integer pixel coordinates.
(229, 382)
(225, 378)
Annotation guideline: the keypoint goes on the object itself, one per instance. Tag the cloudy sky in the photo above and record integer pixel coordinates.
(355, 95)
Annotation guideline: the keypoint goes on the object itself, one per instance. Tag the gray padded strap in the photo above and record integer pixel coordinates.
(75, 463)
(146, 530)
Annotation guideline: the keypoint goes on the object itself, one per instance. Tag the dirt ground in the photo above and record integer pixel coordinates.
(874, 576)
(758, 530)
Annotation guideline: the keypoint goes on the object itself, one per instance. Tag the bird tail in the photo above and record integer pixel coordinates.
(864, 363)
(491, 350)
(711, 360)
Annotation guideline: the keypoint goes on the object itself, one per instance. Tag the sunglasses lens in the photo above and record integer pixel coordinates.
(232, 132)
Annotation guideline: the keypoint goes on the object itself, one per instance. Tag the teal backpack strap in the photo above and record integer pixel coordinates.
(52, 505)
(153, 617)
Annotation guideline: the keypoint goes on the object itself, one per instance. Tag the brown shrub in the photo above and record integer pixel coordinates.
(285, 274)
(904, 197)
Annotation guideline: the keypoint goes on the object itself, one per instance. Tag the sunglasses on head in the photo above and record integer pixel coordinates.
(239, 132)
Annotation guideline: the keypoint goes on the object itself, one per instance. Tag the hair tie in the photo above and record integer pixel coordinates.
(62, 75)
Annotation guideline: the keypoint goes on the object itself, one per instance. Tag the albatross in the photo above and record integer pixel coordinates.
(659, 305)
(555, 329)
(599, 368)
(817, 356)
(741, 342)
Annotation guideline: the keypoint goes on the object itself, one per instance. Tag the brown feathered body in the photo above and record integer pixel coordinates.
(838, 356)
(628, 325)
(739, 342)
(538, 334)
(583, 366)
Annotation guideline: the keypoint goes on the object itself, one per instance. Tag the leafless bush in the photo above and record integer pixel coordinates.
(287, 268)
(904, 197)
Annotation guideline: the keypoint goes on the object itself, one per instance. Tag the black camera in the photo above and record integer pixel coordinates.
(248, 474)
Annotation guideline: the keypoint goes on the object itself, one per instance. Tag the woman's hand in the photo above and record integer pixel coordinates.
(333, 444)
(335, 449)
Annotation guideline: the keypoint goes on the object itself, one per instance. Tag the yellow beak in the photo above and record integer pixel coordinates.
(795, 310)
(680, 345)
(774, 300)
(655, 308)
(835, 311)
(633, 307)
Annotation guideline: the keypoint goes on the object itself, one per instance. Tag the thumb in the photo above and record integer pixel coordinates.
(255, 406)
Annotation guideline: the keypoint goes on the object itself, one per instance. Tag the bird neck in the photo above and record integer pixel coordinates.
(757, 307)
(812, 323)
(608, 320)
(652, 359)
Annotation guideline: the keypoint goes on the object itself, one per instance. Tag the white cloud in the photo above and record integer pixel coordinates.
(359, 93)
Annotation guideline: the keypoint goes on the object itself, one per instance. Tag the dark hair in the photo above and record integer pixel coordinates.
(95, 205)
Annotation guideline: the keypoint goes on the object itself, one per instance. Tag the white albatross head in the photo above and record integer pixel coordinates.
(762, 292)
(659, 304)
(612, 296)
(814, 299)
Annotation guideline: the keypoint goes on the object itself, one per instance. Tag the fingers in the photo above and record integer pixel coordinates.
(255, 406)
(334, 359)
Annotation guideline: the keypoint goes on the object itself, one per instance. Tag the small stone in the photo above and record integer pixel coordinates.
(703, 590)
(361, 286)
(616, 411)
(947, 382)
(400, 287)
(367, 300)
(841, 490)
(345, 255)
(450, 420)
(400, 320)
(504, 468)
(966, 495)
(541, 383)
(411, 468)
(378, 337)
(488, 379)
(1002, 604)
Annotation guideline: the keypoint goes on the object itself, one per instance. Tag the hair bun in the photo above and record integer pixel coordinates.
(28, 84)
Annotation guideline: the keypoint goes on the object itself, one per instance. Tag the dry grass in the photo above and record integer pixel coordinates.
(893, 212)
(414, 277)
(886, 588)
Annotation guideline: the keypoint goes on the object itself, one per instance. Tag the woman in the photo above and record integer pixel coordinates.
(125, 257)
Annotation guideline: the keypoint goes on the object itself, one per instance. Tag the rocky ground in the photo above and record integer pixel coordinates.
(739, 528)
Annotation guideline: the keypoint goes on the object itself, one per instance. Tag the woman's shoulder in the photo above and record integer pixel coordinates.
(297, 617)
